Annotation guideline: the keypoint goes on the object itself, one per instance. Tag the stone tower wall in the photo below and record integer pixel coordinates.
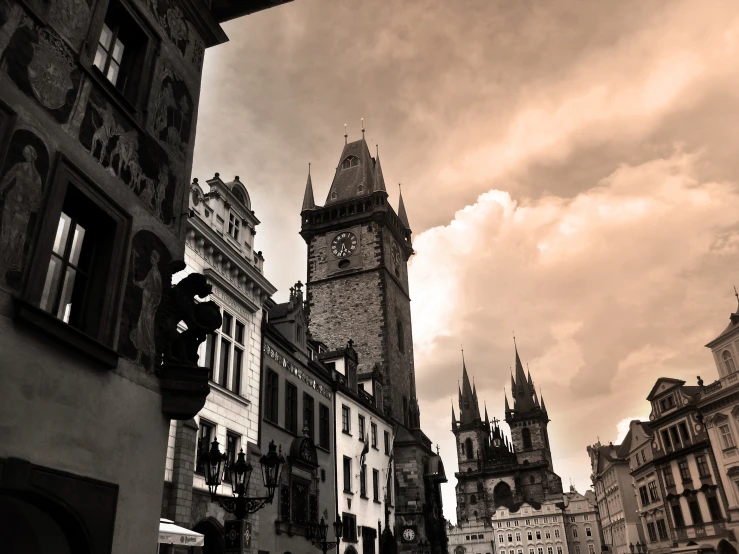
(539, 444)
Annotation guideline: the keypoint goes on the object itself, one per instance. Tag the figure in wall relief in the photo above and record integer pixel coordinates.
(172, 113)
(142, 303)
(179, 30)
(70, 18)
(138, 160)
(21, 191)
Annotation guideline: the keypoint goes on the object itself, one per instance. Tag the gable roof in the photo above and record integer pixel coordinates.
(730, 329)
(664, 384)
(358, 180)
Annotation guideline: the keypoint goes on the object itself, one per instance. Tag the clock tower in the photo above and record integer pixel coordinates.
(358, 250)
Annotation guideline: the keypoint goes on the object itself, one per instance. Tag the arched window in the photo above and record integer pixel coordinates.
(401, 338)
(502, 495)
(728, 362)
(351, 161)
(526, 436)
(238, 194)
(468, 448)
(532, 479)
(473, 499)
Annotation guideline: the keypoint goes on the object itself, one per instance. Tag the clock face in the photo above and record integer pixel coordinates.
(344, 244)
(409, 534)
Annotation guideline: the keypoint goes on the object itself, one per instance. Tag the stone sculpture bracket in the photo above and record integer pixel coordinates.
(184, 384)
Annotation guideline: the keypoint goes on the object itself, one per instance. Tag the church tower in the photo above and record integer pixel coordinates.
(358, 250)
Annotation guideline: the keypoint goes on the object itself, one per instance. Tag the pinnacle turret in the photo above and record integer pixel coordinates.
(523, 392)
(469, 410)
(401, 212)
(379, 178)
(309, 202)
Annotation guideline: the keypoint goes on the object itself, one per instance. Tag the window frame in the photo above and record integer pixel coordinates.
(727, 439)
(199, 468)
(309, 414)
(373, 435)
(271, 397)
(346, 419)
(347, 473)
(67, 175)
(702, 462)
(291, 407)
(324, 426)
(134, 108)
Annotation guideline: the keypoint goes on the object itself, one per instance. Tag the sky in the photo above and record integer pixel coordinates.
(570, 173)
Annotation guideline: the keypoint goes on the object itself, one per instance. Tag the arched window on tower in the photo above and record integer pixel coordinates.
(526, 436)
(532, 479)
(401, 338)
(473, 499)
(728, 362)
(351, 161)
(468, 449)
(502, 494)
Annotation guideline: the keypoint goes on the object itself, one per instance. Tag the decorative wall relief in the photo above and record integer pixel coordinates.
(172, 113)
(148, 271)
(22, 182)
(179, 30)
(42, 65)
(137, 159)
(70, 18)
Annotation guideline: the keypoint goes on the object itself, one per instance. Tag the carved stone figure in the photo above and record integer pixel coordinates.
(127, 151)
(201, 318)
(20, 194)
(143, 335)
(50, 71)
(106, 130)
(161, 189)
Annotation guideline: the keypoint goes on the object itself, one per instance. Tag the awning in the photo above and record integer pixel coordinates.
(169, 533)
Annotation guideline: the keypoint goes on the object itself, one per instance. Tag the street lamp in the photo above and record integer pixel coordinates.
(317, 533)
(240, 473)
(424, 545)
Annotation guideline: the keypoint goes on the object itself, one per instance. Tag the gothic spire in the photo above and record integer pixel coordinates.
(379, 178)
(308, 202)
(468, 410)
(487, 419)
(543, 407)
(454, 418)
(507, 408)
(523, 395)
(401, 210)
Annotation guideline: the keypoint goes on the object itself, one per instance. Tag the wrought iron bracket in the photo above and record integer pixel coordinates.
(241, 506)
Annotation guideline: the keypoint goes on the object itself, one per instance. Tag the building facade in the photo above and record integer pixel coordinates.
(220, 245)
(685, 463)
(297, 414)
(614, 494)
(358, 249)
(494, 471)
(582, 524)
(364, 462)
(530, 528)
(98, 102)
(471, 537)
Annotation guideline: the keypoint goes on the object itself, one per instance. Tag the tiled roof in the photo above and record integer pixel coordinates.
(355, 181)
(280, 310)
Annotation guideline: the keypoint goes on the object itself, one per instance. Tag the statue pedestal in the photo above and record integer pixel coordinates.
(184, 390)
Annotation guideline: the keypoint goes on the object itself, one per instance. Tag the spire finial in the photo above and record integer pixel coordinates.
(737, 296)
(346, 136)
(377, 149)
(362, 127)
(308, 168)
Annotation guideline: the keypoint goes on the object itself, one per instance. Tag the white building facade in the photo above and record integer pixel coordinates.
(220, 242)
(532, 529)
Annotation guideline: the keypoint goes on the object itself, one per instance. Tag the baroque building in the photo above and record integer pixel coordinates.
(493, 470)
(582, 524)
(358, 250)
(220, 245)
(98, 102)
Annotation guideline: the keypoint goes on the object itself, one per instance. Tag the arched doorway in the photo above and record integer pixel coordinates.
(214, 539)
(725, 547)
(31, 525)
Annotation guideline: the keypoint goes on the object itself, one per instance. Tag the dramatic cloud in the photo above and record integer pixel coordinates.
(569, 173)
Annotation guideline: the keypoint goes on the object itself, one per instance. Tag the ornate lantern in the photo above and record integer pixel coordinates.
(214, 468)
(271, 464)
(240, 475)
(338, 527)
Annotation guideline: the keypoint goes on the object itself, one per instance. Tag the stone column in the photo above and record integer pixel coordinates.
(180, 495)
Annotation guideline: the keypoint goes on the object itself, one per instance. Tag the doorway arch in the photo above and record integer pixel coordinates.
(214, 540)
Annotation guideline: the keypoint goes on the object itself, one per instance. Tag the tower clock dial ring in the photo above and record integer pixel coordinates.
(344, 244)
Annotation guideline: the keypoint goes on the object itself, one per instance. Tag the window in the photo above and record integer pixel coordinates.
(530, 536)
(239, 332)
(206, 432)
(510, 537)
(473, 499)
(547, 534)
(683, 431)
(702, 466)
(572, 519)
(588, 532)
(208, 359)
(577, 549)
(677, 516)
(538, 535)
(728, 362)
(591, 548)
(667, 403)
(468, 449)
(674, 436)
(507, 523)
(501, 539)
(81, 244)
(528, 522)
(550, 550)
(345, 419)
(360, 427)
(233, 225)
(232, 441)
(662, 529)
(121, 50)
(351, 161)
(386, 436)
(270, 397)
(526, 436)
(643, 495)
(401, 341)
(373, 431)
(684, 470)
(291, 407)
(363, 481)
(308, 417)
(540, 550)
(584, 517)
(227, 324)
(667, 474)
(666, 438)
(559, 550)
(237, 365)
(574, 532)
(376, 485)
(556, 533)
(518, 537)
(713, 508)
(653, 496)
(695, 512)
(347, 474)
(727, 439)
(350, 527)
(223, 362)
(324, 432)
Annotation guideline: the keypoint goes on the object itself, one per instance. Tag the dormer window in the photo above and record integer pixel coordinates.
(351, 161)
(334, 196)
(360, 189)
(667, 403)
(233, 226)
(728, 362)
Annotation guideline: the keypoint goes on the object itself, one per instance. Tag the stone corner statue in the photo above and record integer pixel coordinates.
(184, 383)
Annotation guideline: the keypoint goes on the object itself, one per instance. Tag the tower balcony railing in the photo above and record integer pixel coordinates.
(721, 384)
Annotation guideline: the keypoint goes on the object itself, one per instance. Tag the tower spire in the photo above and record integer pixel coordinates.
(346, 136)
(379, 184)
(454, 418)
(523, 395)
(469, 411)
(308, 201)
(401, 210)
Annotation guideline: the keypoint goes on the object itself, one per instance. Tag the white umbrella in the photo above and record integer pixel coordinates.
(169, 533)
